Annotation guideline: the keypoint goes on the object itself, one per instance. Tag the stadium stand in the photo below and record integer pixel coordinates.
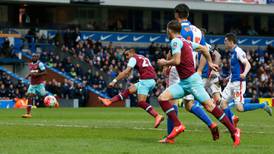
(109, 60)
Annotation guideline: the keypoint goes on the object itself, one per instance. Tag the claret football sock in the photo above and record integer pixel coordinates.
(220, 115)
(170, 124)
(121, 96)
(170, 111)
(144, 105)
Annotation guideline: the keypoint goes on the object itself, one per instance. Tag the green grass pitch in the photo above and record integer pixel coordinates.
(124, 131)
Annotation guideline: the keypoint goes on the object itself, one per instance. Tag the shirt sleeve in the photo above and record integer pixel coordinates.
(132, 62)
(241, 55)
(195, 45)
(176, 45)
(42, 66)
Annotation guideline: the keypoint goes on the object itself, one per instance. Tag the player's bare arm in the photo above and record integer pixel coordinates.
(247, 68)
(217, 61)
(175, 60)
(201, 65)
(121, 76)
(166, 68)
(205, 52)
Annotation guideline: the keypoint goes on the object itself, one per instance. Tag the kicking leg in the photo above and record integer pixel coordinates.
(121, 96)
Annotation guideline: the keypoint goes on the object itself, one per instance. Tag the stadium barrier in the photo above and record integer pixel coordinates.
(72, 103)
(7, 104)
(162, 38)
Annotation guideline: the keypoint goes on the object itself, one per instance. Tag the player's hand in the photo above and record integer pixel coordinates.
(111, 84)
(242, 76)
(214, 67)
(161, 62)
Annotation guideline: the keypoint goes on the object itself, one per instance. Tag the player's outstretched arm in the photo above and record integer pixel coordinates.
(175, 60)
(205, 52)
(217, 59)
(201, 65)
(121, 76)
(246, 69)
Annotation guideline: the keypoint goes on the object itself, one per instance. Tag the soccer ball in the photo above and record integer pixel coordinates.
(50, 101)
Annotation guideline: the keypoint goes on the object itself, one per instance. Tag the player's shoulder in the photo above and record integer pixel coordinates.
(176, 42)
(195, 29)
(239, 50)
(133, 58)
(176, 39)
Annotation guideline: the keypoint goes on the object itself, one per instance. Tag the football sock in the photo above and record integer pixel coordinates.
(29, 109)
(250, 107)
(229, 114)
(144, 105)
(170, 124)
(170, 111)
(220, 115)
(30, 101)
(120, 96)
(201, 114)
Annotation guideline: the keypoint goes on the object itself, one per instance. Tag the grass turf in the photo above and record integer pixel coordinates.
(123, 130)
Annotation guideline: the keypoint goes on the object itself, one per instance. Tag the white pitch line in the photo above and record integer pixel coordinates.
(97, 127)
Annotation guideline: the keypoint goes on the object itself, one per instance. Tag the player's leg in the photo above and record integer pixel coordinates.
(173, 78)
(200, 94)
(197, 110)
(143, 89)
(194, 108)
(215, 92)
(191, 106)
(31, 93)
(223, 118)
(173, 92)
(121, 96)
(149, 109)
(244, 107)
(170, 124)
(226, 98)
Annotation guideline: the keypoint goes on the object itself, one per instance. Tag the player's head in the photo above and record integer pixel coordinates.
(230, 40)
(181, 11)
(173, 28)
(129, 53)
(35, 57)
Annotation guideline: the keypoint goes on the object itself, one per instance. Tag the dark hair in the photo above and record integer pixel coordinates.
(182, 10)
(175, 26)
(131, 50)
(231, 37)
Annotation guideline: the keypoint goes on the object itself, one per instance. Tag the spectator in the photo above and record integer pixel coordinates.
(3, 92)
